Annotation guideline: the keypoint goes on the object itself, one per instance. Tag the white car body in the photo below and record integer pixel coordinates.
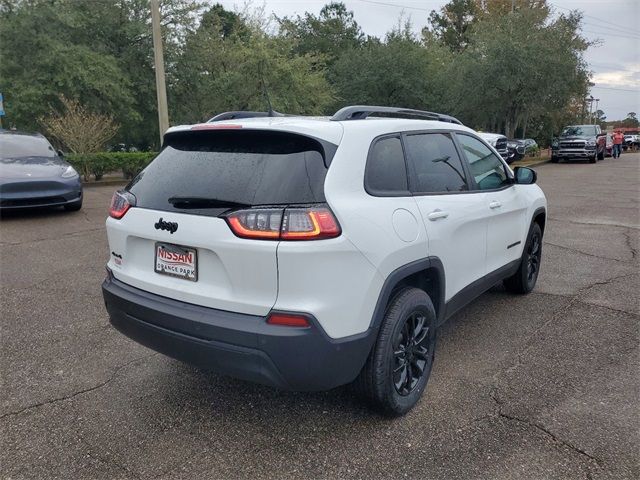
(340, 282)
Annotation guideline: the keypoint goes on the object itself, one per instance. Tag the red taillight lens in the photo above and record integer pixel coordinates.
(258, 223)
(309, 224)
(288, 320)
(120, 204)
(313, 223)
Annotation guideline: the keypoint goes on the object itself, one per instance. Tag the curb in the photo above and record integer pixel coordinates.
(531, 163)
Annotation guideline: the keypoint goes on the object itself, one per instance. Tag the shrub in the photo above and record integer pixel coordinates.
(97, 164)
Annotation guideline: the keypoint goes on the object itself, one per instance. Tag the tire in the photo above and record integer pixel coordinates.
(524, 280)
(554, 159)
(593, 159)
(73, 207)
(405, 346)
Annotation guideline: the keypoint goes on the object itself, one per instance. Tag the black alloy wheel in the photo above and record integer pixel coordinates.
(399, 365)
(525, 278)
(534, 254)
(412, 353)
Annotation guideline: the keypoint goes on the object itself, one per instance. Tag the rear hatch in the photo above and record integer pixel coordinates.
(181, 200)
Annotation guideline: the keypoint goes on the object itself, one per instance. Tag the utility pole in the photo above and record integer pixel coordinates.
(595, 114)
(158, 57)
(591, 99)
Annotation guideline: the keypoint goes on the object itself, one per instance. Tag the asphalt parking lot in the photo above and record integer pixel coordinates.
(539, 386)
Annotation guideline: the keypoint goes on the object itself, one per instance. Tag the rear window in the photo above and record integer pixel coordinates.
(209, 172)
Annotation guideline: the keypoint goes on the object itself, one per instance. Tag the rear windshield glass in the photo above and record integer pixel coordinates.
(209, 172)
(16, 146)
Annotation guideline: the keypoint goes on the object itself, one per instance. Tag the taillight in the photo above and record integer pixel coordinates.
(259, 223)
(309, 224)
(121, 202)
(298, 223)
(288, 320)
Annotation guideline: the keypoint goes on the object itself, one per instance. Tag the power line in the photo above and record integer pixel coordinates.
(602, 34)
(384, 4)
(585, 15)
(619, 89)
(608, 30)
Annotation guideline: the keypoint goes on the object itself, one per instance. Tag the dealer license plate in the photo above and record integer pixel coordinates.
(177, 261)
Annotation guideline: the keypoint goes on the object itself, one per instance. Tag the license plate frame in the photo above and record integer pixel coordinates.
(166, 268)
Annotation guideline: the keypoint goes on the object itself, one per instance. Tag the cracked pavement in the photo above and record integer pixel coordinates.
(537, 386)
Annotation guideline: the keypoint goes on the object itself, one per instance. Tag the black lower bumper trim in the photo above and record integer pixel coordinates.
(239, 345)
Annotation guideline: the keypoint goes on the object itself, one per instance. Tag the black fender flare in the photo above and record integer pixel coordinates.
(399, 274)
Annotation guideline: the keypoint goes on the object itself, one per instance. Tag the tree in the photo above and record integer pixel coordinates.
(397, 71)
(601, 118)
(78, 129)
(227, 64)
(518, 67)
(99, 52)
(629, 122)
(451, 25)
(329, 34)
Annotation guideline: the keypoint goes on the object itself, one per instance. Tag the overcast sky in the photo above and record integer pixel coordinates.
(615, 63)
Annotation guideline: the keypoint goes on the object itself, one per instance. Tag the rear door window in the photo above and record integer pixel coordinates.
(436, 163)
(209, 172)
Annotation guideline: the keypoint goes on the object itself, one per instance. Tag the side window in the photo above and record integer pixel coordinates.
(386, 172)
(436, 163)
(487, 169)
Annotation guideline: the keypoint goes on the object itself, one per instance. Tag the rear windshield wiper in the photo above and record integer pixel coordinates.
(203, 202)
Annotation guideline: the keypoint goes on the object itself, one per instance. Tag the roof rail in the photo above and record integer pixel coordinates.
(243, 114)
(360, 112)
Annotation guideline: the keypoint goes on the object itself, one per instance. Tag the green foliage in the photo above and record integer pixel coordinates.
(227, 64)
(396, 72)
(496, 69)
(451, 25)
(329, 34)
(97, 164)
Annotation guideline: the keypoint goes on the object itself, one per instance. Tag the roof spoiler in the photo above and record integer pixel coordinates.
(243, 114)
(360, 112)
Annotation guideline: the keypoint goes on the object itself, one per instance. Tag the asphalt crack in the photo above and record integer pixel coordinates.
(113, 375)
(545, 431)
(583, 252)
(634, 252)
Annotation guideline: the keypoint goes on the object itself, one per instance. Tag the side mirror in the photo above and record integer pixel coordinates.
(60, 153)
(525, 176)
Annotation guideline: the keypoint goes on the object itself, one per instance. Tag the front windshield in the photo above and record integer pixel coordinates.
(579, 130)
(16, 146)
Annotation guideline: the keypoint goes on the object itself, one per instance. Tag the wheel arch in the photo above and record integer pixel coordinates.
(540, 217)
(426, 274)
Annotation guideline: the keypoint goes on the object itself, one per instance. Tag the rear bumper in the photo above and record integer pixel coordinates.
(39, 193)
(239, 345)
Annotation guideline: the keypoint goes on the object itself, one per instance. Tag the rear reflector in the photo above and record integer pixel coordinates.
(288, 320)
(121, 202)
(311, 223)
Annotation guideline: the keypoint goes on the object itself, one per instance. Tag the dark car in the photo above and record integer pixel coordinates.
(579, 141)
(32, 174)
(520, 148)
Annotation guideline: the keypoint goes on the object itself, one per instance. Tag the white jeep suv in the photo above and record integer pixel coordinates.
(306, 253)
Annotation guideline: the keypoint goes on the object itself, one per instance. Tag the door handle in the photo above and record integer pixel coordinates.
(495, 204)
(436, 214)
